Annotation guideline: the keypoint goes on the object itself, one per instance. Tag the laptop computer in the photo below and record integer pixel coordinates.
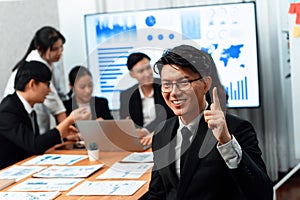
(110, 135)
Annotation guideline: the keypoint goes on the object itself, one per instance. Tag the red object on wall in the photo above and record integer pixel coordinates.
(295, 9)
(292, 9)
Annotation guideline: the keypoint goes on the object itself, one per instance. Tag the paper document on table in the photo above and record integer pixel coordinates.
(68, 171)
(45, 184)
(144, 157)
(107, 188)
(19, 172)
(29, 195)
(125, 170)
(55, 159)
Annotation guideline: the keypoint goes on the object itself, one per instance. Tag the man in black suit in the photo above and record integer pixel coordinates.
(143, 102)
(19, 134)
(203, 153)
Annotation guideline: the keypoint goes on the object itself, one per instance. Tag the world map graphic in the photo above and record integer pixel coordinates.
(233, 52)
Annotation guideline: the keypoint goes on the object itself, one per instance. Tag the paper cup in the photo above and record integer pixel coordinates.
(93, 155)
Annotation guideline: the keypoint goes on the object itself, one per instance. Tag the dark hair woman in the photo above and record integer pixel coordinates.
(46, 47)
(81, 84)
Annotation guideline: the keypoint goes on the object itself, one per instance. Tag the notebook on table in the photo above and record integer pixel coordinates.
(110, 135)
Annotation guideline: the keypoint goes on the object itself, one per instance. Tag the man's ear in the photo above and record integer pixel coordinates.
(207, 83)
(31, 84)
(131, 74)
(38, 48)
(71, 86)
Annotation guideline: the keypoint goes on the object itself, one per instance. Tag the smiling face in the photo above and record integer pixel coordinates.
(142, 72)
(83, 88)
(188, 103)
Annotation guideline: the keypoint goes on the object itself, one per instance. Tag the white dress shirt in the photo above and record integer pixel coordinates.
(231, 152)
(148, 106)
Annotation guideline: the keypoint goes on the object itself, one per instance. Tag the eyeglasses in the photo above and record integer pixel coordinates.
(182, 85)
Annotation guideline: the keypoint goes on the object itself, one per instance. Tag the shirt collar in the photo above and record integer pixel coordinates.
(25, 103)
(193, 125)
(142, 94)
(35, 56)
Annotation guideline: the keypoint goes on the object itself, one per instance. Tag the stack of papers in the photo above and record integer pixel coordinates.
(29, 195)
(19, 172)
(68, 171)
(125, 170)
(107, 188)
(55, 159)
(143, 157)
(45, 184)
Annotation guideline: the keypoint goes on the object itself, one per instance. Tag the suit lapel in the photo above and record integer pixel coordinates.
(22, 111)
(165, 153)
(156, 94)
(135, 104)
(172, 168)
(135, 108)
(202, 144)
(93, 107)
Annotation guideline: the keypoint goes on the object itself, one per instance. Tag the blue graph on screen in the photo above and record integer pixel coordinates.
(109, 69)
(227, 32)
(106, 27)
(238, 90)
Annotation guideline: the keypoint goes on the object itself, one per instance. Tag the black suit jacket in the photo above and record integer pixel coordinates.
(17, 140)
(131, 105)
(99, 107)
(205, 175)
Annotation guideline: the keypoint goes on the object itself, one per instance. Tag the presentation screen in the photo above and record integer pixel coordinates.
(226, 31)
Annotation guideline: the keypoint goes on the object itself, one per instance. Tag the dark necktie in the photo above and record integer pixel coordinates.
(186, 135)
(33, 119)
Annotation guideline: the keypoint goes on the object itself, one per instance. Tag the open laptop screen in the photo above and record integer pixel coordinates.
(110, 135)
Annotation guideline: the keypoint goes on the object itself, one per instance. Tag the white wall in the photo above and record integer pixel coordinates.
(295, 72)
(71, 22)
(19, 20)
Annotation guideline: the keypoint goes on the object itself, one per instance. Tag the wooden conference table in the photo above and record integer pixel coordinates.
(106, 158)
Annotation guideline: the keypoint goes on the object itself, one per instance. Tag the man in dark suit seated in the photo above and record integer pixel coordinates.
(19, 132)
(143, 102)
(203, 152)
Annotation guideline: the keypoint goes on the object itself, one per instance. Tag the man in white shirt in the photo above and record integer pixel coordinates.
(143, 102)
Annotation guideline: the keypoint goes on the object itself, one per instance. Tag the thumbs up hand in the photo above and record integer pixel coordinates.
(216, 120)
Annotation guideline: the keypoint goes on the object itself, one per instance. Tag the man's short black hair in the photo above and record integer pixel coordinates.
(187, 56)
(200, 62)
(32, 70)
(135, 58)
